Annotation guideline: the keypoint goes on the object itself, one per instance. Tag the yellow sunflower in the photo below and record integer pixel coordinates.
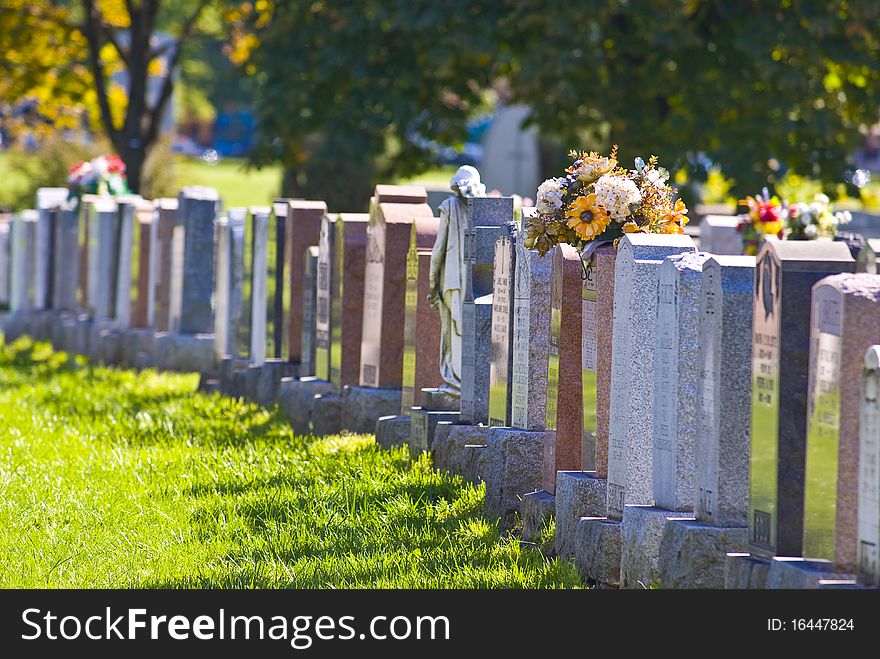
(631, 227)
(586, 217)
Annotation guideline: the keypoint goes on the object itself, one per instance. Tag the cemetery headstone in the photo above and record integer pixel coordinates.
(199, 207)
(724, 391)
(531, 341)
(844, 323)
(869, 470)
(66, 268)
(259, 285)
(630, 441)
(501, 363)
(597, 299)
(24, 240)
(565, 412)
(323, 292)
(302, 230)
(103, 258)
(347, 303)
(867, 259)
(785, 273)
(719, 235)
(142, 314)
(5, 255)
(310, 282)
(421, 325)
(677, 340)
(392, 212)
(127, 208)
(163, 229)
(487, 217)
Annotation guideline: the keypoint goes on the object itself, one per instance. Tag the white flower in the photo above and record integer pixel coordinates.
(100, 165)
(653, 178)
(803, 213)
(550, 194)
(615, 194)
(842, 217)
(822, 199)
(810, 231)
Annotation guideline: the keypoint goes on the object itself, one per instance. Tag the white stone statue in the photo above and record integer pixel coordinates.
(447, 273)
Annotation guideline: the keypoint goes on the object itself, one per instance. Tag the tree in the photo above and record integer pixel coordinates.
(352, 93)
(756, 87)
(135, 134)
(63, 57)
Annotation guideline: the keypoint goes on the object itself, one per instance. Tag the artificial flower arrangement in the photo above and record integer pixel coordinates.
(599, 201)
(104, 175)
(769, 215)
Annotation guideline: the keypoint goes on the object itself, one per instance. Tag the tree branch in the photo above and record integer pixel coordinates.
(107, 31)
(168, 86)
(90, 29)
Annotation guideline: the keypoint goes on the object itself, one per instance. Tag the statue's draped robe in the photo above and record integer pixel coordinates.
(447, 278)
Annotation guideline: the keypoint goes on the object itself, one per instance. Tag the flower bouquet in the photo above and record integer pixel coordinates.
(104, 175)
(598, 201)
(814, 220)
(765, 217)
(769, 215)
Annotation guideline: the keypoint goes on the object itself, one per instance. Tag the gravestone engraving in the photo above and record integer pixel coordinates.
(724, 391)
(676, 344)
(501, 364)
(531, 341)
(322, 298)
(589, 364)
(630, 441)
(347, 302)
(845, 322)
(869, 470)
(785, 272)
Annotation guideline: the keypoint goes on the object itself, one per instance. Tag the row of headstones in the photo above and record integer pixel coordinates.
(663, 422)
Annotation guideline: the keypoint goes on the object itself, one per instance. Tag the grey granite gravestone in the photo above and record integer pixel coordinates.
(719, 235)
(66, 269)
(676, 348)
(867, 258)
(630, 438)
(845, 322)
(724, 392)
(322, 298)
(222, 289)
(103, 234)
(5, 259)
(163, 225)
(310, 281)
(501, 363)
(869, 470)
(784, 276)
(24, 239)
(531, 340)
(125, 243)
(693, 552)
(675, 419)
(198, 210)
(486, 219)
(259, 287)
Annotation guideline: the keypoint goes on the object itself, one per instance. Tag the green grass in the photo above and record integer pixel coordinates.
(117, 479)
(238, 185)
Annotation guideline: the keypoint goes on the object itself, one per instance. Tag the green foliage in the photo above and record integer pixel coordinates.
(125, 480)
(757, 86)
(343, 87)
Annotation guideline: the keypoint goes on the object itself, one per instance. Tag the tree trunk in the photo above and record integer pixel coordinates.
(134, 158)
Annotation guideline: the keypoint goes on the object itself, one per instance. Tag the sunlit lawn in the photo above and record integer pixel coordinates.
(118, 479)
